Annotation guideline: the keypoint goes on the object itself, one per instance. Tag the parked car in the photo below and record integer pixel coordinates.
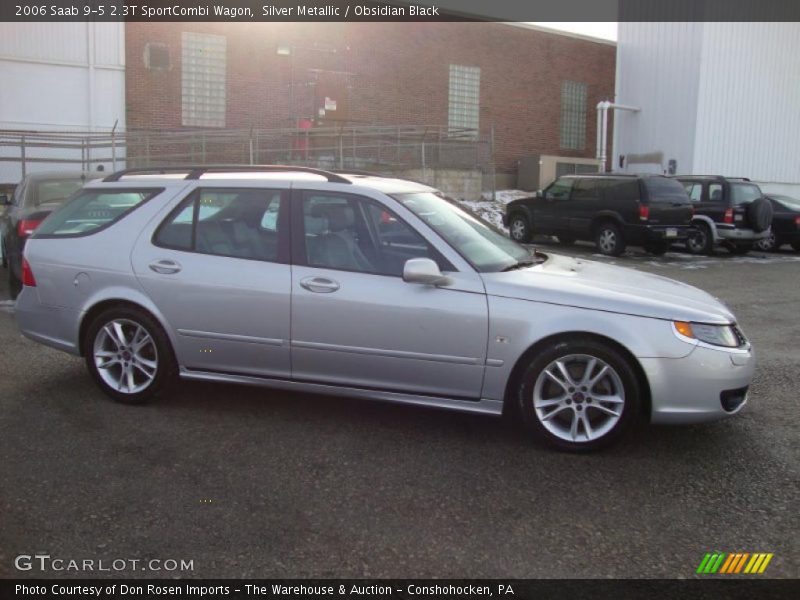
(148, 277)
(785, 227)
(36, 196)
(612, 210)
(728, 211)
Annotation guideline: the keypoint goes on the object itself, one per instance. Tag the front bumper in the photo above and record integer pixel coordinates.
(692, 389)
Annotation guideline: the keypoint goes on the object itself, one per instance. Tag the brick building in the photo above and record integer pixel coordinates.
(538, 89)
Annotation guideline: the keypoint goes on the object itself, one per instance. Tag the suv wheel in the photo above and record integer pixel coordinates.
(128, 355)
(767, 244)
(520, 229)
(701, 240)
(578, 395)
(608, 238)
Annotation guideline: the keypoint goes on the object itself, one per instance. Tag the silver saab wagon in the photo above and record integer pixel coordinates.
(301, 279)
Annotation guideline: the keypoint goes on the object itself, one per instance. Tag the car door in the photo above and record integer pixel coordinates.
(583, 205)
(217, 267)
(551, 213)
(356, 323)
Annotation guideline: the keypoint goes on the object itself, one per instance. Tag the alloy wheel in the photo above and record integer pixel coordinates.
(766, 244)
(518, 229)
(578, 398)
(126, 356)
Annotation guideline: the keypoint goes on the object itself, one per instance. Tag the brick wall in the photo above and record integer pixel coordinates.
(390, 73)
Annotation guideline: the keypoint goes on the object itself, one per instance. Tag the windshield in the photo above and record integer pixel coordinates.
(479, 243)
(787, 201)
(742, 193)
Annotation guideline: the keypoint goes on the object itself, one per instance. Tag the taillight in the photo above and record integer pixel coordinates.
(797, 221)
(27, 226)
(728, 217)
(27, 275)
(644, 213)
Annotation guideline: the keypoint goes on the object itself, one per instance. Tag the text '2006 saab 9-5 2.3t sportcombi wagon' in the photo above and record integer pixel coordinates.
(365, 286)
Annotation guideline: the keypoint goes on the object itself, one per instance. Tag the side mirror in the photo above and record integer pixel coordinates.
(4, 200)
(424, 271)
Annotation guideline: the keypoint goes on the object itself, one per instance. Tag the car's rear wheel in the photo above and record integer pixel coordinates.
(128, 354)
(578, 395)
(520, 229)
(767, 244)
(701, 240)
(608, 238)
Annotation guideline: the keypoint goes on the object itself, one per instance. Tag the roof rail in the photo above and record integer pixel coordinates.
(195, 172)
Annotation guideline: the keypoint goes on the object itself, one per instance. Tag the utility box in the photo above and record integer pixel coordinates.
(528, 169)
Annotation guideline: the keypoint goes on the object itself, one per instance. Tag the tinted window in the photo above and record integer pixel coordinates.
(661, 189)
(742, 193)
(355, 234)
(53, 191)
(238, 223)
(694, 191)
(92, 210)
(559, 190)
(715, 192)
(626, 190)
(586, 189)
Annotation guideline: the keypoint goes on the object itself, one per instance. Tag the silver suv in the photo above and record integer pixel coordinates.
(364, 286)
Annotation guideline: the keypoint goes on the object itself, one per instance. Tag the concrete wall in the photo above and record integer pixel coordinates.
(462, 184)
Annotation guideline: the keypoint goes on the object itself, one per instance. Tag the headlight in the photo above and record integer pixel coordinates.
(727, 336)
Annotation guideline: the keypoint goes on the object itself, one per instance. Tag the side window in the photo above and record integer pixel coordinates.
(715, 192)
(559, 190)
(694, 191)
(586, 189)
(622, 190)
(240, 223)
(355, 234)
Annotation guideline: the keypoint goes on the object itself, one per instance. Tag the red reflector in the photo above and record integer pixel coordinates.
(797, 221)
(644, 213)
(27, 274)
(728, 216)
(26, 227)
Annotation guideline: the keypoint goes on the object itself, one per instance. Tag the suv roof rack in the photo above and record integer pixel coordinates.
(717, 177)
(195, 172)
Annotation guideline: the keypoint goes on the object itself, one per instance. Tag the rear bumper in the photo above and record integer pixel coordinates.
(735, 234)
(706, 385)
(643, 234)
(52, 326)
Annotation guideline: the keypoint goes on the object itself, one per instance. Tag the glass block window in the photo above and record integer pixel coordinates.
(573, 115)
(203, 79)
(465, 87)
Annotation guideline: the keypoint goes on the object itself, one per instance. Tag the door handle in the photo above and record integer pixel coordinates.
(165, 267)
(320, 285)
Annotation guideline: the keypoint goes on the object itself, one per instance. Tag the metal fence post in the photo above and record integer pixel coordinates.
(22, 155)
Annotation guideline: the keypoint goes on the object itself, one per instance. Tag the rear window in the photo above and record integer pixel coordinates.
(663, 190)
(743, 193)
(93, 210)
(53, 191)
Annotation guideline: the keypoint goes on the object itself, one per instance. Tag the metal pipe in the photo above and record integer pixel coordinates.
(602, 124)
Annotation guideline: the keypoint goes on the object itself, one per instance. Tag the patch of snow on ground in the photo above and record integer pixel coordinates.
(492, 211)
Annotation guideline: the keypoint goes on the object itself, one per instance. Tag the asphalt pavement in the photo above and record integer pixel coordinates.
(247, 482)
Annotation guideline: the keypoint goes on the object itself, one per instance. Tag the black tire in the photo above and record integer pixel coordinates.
(570, 350)
(657, 248)
(608, 238)
(519, 228)
(14, 284)
(796, 246)
(701, 240)
(566, 240)
(759, 214)
(740, 249)
(162, 356)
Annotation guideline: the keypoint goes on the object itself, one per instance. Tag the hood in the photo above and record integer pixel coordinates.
(588, 284)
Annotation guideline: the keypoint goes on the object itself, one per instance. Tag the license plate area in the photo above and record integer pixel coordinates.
(671, 232)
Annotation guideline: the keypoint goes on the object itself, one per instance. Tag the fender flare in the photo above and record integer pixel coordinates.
(708, 221)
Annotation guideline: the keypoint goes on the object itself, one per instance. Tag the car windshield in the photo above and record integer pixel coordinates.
(479, 243)
(742, 193)
(53, 191)
(788, 201)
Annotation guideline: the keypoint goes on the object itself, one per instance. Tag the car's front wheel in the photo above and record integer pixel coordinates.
(578, 395)
(520, 229)
(128, 354)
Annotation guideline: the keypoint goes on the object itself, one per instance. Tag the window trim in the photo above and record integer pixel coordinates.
(153, 192)
(299, 256)
(283, 223)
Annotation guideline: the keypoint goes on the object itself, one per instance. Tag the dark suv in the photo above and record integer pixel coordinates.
(612, 210)
(729, 211)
